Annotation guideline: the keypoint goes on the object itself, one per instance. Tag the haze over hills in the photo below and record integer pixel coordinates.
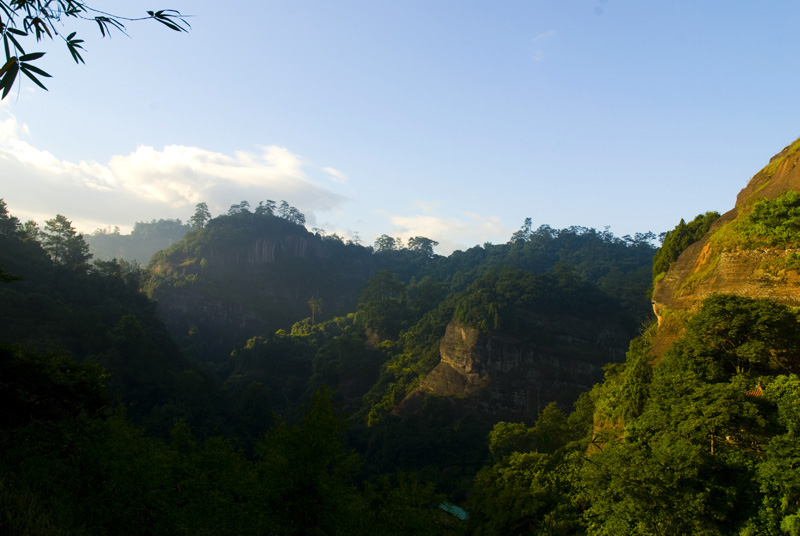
(271, 370)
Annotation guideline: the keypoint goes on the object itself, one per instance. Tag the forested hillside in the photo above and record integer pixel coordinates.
(146, 239)
(260, 378)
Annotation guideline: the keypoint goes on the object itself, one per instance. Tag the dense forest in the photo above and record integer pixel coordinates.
(252, 377)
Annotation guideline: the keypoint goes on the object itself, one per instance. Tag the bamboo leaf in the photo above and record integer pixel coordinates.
(32, 56)
(36, 70)
(25, 69)
(8, 79)
(7, 65)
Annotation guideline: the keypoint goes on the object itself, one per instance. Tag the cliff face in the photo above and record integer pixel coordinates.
(502, 378)
(250, 276)
(716, 266)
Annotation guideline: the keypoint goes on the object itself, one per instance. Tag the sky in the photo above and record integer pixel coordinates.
(454, 120)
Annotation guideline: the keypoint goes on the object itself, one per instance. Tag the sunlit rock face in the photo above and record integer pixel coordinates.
(503, 378)
(707, 267)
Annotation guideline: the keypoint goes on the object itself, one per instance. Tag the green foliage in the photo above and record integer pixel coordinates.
(550, 433)
(732, 334)
(21, 21)
(382, 306)
(525, 232)
(626, 388)
(63, 243)
(141, 244)
(83, 475)
(678, 239)
(772, 222)
(386, 243)
(509, 437)
(410, 359)
(201, 216)
(221, 264)
(347, 364)
(667, 486)
(703, 451)
(281, 364)
(45, 388)
(530, 486)
(98, 315)
(422, 245)
(9, 225)
(621, 267)
(507, 301)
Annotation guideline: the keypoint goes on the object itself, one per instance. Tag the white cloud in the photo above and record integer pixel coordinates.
(539, 42)
(150, 183)
(426, 206)
(336, 175)
(544, 36)
(451, 233)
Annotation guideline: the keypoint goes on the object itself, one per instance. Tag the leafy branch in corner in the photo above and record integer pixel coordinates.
(23, 20)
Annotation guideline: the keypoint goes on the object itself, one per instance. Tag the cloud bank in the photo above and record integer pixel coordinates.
(151, 183)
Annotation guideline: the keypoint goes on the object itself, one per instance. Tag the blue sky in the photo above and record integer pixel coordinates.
(454, 120)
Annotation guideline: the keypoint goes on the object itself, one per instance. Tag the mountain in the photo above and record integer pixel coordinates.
(146, 239)
(247, 274)
(751, 251)
(518, 341)
(697, 431)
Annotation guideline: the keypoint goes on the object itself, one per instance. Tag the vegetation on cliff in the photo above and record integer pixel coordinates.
(700, 448)
(678, 239)
(771, 223)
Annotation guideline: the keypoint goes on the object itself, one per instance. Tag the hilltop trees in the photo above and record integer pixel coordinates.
(201, 216)
(525, 232)
(63, 243)
(422, 244)
(681, 237)
(8, 223)
(387, 243)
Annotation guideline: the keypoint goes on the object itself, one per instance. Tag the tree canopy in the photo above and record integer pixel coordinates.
(63, 242)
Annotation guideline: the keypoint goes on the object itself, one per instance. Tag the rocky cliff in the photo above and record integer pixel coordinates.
(247, 275)
(722, 263)
(500, 377)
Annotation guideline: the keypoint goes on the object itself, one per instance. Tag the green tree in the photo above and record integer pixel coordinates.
(63, 243)
(315, 303)
(681, 237)
(525, 232)
(734, 334)
(31, 231)
(290, 213)
(238, 208)
(386, 243)
(22, 21)
(309, 469)
(9, 225)
(266, 208)
(381, 307)
(777, 472)
(422, 244)
(201, 216)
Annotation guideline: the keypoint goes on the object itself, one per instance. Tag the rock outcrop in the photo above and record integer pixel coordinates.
(247, 276)
(503, 378)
